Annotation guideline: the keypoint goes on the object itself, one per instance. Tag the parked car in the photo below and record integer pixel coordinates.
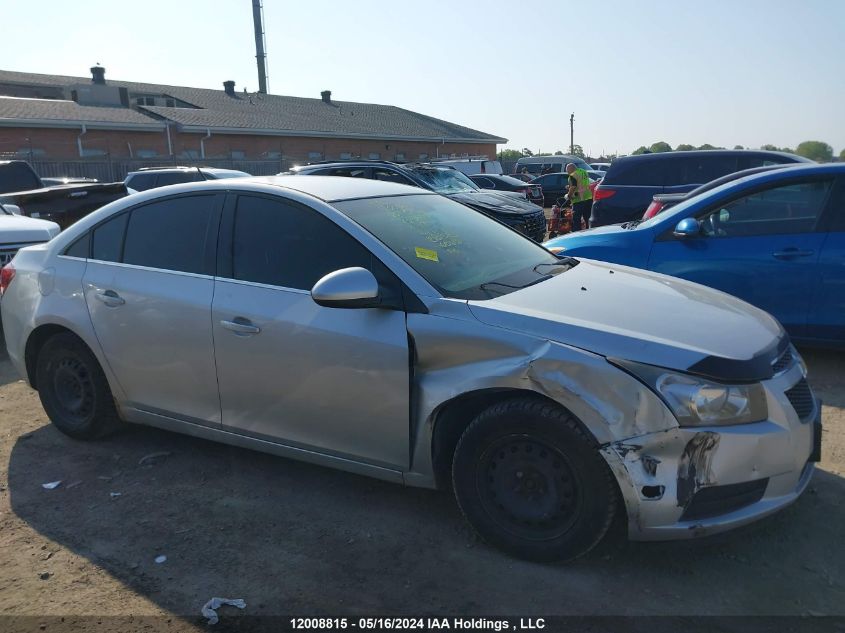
(20, 186)
(632, 181)
(600, 166)
(533, 193)
(392, 332)
(663, 201)
(506, 207)
(17, 231)
(555, 185)
(151, 177)
(66, 180)
(775, 239)
(472, 166)
(539, 165)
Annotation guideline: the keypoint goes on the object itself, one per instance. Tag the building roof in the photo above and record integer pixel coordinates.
(267, 114)
(21, 111)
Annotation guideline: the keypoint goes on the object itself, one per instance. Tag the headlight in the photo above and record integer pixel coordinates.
(697, 401)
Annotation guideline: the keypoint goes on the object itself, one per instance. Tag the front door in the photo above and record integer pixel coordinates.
(762, 247)
(148, 286)
(326, 379)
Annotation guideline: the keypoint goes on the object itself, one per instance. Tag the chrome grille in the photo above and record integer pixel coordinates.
(801, 399)
(784, 362)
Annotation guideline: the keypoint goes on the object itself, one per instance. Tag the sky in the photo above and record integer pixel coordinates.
(723, 72)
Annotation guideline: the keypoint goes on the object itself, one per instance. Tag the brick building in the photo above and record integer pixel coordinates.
(53, 117)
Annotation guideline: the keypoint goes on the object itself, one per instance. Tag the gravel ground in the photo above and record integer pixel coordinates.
(289, 537)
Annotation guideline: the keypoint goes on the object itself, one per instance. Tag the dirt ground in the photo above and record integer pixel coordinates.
(290, 538)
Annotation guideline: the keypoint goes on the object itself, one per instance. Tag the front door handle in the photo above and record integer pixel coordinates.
(110, 298)
(239, 325)
(791, 253)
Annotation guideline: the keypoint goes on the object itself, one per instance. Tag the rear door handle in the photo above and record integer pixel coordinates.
(791, 253)
(110, 298)
(239, 325)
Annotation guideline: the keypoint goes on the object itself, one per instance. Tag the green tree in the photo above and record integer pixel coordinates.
(684, 147)
(709, 146)
(788, 150)
(842, 156)
(660, 146)
(527, 152)
(642, 149)
(815, 150)
(770, 148)
(578, 151)
(510, 154)
(558, 153)
(738, 147)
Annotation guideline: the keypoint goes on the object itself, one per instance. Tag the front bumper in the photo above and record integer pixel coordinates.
(688, 482)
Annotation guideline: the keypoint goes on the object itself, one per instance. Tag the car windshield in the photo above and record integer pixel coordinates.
(459, 251)
(445, 180)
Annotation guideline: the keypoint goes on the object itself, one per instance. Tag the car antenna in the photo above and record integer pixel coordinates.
(199, 171)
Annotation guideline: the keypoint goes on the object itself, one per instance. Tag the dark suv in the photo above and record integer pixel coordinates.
(632, 181)
(506, 207)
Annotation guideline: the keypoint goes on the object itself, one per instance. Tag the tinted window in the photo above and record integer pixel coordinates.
(484, 183)
(794, 208)
(107, 239)
(141, 182)
(389, 175)
(171, 234)
(283, 244)
(174, 178)
(701, 169)
(549, 180)
(80, 247)
(17, 177)
(346, 172)
(836, 208)
(648, 173)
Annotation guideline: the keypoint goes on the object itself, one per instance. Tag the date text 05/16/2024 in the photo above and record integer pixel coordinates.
(418, 624)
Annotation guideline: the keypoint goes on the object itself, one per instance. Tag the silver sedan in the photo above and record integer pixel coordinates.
(391, 332)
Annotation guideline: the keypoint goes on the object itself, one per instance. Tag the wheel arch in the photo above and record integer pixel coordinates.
(35, 342)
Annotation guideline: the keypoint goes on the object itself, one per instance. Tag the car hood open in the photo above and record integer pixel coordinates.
(631, 314)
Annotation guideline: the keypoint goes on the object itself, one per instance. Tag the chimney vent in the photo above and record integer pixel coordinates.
(327, 96)
(98, 75)
(229, 87)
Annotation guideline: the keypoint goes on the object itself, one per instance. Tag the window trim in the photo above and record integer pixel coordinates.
(820, 227)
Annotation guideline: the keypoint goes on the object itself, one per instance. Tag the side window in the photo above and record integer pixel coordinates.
(347, 172)
(80, 247)
(284, 244)
(174, 178)
(171, 234)
(388, 175)
(647, 173)
(836, 208)
(794, 208)
(141, 182)
(485, 183)
(703, 169)
(107, 239)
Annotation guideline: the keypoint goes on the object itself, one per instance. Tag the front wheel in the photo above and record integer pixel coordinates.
(531, 482)
(73, 389)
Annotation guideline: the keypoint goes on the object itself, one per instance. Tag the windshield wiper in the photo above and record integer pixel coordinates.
(511, 286)
(569, 262)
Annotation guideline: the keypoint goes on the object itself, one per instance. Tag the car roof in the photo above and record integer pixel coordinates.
(325, 188)
(709, 152)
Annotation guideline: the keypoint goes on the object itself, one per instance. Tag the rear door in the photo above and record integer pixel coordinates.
(762, 247)
(827, 310)
(148, 286)
(331, 380)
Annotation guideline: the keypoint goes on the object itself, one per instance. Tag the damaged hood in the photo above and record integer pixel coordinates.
(632, 314)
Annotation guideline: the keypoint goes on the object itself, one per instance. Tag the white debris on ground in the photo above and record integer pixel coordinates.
(209, 609)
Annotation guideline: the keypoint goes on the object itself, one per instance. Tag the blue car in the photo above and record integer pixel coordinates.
(775, 239)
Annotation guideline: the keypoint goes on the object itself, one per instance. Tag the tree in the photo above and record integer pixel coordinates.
(770, 148)
(815, 150)
(527, 152)
(642, 149)
(684, 147)
(558, 153)
(510, 154)
(738, 147)
(842, 156)
(578, 151)
(709, 146)
(660, 146)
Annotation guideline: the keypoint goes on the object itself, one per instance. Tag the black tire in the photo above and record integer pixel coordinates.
(532, 482)
(73, 389)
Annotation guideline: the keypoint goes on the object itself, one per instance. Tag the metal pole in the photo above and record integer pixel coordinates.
(260, 54)
(572, 133)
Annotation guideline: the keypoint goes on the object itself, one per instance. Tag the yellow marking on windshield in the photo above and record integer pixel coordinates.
(424, 253)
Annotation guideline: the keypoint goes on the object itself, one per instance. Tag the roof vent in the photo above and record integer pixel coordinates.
(229, 87)
(98, 74)
(327, 96)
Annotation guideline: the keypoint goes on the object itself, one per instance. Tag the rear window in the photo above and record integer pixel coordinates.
(17, 177)
(141, 182)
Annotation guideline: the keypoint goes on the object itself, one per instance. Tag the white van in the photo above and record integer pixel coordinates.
(538, 165)
(473, 166)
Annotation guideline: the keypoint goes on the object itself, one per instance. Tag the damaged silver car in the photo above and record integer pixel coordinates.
(390, 332)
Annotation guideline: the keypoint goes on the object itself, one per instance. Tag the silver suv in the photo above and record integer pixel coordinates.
(392, 332)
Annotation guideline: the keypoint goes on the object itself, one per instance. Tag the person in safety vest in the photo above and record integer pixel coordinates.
(579, 195)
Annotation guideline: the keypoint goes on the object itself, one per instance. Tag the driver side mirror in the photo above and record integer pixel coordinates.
(688, 227)
(347, 288)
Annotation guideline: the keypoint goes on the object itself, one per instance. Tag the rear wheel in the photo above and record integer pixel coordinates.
(531, 482)
(73, 389)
